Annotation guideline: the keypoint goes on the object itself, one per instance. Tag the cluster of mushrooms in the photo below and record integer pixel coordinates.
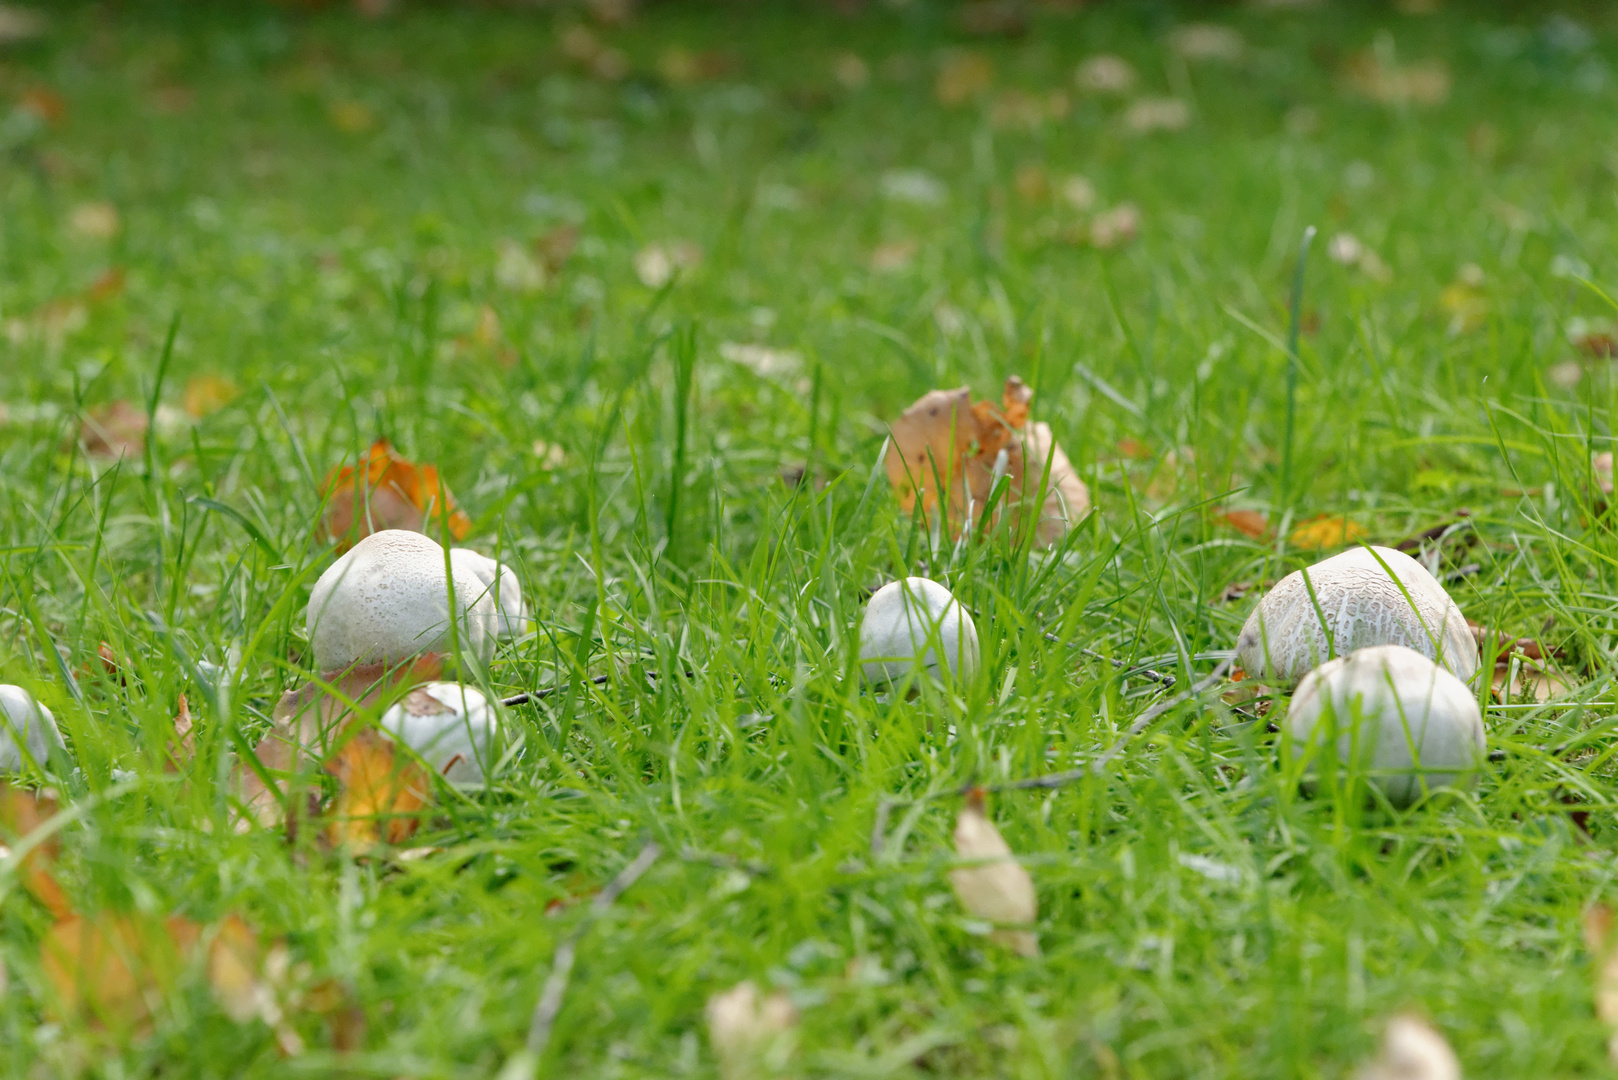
(1377, 656)
(384, 605)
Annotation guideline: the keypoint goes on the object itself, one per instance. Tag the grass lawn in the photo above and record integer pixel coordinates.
(612, 280)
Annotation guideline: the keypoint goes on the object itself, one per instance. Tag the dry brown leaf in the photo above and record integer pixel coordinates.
(944, 437)
(555, 247)
(391, 493)
(1327, 531)
(44, 103)
(1412, 1050)
(1426, 82)
(893, 256)
(108, 969)
(113, 431)
(206, 394)
(1599, 939)
(752, 1034)
(351, 116)
(21, 812)
(997, 889)
(964, 76)
(235, 962)
(683, 67)
(378, 792)
(1247, 522)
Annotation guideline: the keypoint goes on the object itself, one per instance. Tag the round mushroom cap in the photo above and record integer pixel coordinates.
(26, 724)
(1361, 604)
(453, 727)
(388, 600)
(1404, 722)
(500, 581)
(914, 617)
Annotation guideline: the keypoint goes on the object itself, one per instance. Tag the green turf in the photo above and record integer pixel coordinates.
(1199, 917)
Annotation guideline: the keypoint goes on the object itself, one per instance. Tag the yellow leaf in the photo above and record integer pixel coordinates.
(1327, 531)
(378, 792)
(206, 394)
(391, 493)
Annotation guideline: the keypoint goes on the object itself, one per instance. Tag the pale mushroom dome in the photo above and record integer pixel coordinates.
(388, 600)
(453, 727)
(500, 580)
(911, 618)
(1358, 600)
(28, 724)
(1407, 723)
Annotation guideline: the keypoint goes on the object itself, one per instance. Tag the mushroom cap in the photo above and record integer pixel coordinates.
(453, 727)
(1284, 639)
(27, 724)
(1407, 723)
(387, 601)
(501, 582)
(906, 619)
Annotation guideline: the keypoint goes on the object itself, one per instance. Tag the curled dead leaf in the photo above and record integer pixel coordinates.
(752, 1033)
(996, 888)
(946, 443)
(1412, 1050)
(183, 747)
(390, 492)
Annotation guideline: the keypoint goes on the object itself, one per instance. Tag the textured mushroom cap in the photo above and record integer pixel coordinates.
(387, 601)
(1415, 726)
(1283, 638)
(28, 724)
(453, 727)
(904, 619)
(501, 582)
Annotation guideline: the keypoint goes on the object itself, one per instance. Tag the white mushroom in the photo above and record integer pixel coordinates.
(1398, 718)
(1362, 604)
(387, 601)
(914, 618)
(26, 723)
(453, 727)
(501, 582)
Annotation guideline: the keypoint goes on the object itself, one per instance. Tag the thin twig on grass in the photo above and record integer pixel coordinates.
(550, 1000)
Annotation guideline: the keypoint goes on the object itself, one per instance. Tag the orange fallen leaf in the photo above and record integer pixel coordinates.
(944, 439)
(391, 493)
(108, 969)
(555, 248)
(1327, 531)
(44, 103)
(311, 719)
(378, 792)
(108, 284)
(1134, 448)
(113, 431)
(1247, 522)
(206, 394)
(21, 812)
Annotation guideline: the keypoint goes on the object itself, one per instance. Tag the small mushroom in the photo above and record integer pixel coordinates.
(500, 581)
(1402, 721)
(387, 601)
(26, 723)
(913, 618)
(1354, 598)
(452, 727)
